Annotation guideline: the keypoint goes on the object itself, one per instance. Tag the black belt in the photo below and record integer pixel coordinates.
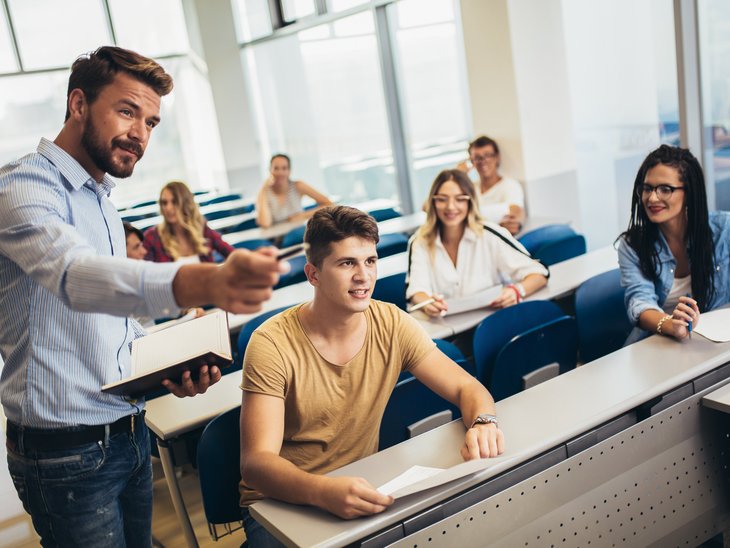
(55, 440)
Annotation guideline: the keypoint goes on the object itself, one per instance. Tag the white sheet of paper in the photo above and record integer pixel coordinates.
(413, 475)
(473, 302)
(421, 480)
(715, 325)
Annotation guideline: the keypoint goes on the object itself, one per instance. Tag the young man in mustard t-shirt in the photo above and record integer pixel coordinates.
(317, 378)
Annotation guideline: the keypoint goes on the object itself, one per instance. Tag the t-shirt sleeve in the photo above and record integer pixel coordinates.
(263, 367)
(513, 193)
(413, 340)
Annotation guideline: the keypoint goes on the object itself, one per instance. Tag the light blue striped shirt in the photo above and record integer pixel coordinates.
(66, 292)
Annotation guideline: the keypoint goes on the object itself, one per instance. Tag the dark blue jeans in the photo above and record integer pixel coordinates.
(256, 535)
(98, 494)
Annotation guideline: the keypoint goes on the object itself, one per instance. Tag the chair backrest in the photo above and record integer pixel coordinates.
(392, 289)
(411, 402)
(453, 352)
(143, 204)
(245, 335)
(244, 225)
(553, 342)
(224, 213)
(384, 214)
(294, 236)
(219, 469)
(391, 244)
(296, 274)
(219, 199)
(497, 329)
(253, 244)
(603, 324)
(561, 250)
(535, 239)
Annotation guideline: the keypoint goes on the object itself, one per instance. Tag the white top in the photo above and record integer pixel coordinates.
(494, 203)
(680, 287)
(481, 262)
(190, 259)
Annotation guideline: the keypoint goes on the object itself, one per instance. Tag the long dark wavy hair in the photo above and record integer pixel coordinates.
(642, 235)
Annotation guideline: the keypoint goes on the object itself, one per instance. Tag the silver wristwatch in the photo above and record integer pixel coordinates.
(485, 418)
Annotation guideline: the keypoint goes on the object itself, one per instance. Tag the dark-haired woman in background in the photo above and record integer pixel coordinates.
(674, 257)
(455, 254)
(183, 235)
(280, 198)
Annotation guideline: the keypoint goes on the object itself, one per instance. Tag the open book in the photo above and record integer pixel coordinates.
(167, 354)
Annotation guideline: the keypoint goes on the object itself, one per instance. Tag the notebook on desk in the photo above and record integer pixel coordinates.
(167, 354)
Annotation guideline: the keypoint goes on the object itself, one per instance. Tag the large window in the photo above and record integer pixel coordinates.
(319, 93)
(433, 86)
(714, 23)
(319, 97)
(624, 102)
(186, 145)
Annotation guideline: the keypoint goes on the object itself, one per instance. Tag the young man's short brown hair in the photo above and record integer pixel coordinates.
(333, 224)
(93, 71)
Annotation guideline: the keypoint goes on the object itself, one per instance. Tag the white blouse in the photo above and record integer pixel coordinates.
(494, 203)
(482, 261)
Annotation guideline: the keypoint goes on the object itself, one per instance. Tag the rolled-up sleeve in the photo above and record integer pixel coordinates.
(640, 293)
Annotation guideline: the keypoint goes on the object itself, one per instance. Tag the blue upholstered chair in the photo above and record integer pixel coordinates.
(220, 199)
(535, 239)
(561, 250)
(391, 244)
(384, 214)
(533, 356)
(219, 473)
(392, 289)
(253, 244)
(294, 236)
(245, 335)
(497, 330)
(296, 274)
(600, 312)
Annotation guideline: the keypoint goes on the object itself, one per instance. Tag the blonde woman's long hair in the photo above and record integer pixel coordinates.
(432, 226)
(190, 221)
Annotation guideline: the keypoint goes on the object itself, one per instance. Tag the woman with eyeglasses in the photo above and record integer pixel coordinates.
(183, 235)
(674, 257)
(455, 254)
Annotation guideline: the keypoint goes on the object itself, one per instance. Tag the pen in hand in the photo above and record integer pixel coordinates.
(422, 304)
(689, 323)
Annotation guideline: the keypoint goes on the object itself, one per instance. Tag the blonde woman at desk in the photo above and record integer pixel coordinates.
(183, 235)
(675, 255)
(454, 254)
(280, 198)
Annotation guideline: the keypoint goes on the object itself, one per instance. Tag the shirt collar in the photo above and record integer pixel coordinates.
(469, 236)
(76, 175)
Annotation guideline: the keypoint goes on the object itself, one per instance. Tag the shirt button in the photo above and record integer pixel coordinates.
(671, 270)
(166, 311)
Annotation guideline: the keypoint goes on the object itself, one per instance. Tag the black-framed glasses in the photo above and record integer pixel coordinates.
(478, 158)
(663, 192)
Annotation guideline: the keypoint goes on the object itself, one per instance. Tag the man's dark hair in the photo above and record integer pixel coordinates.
(483, 141)
(93, 71)
(334, 224)
(130, 229)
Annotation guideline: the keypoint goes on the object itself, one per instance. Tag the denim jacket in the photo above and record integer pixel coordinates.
(643, 294)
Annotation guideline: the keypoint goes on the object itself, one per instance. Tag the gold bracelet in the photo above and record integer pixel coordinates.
(661, 322)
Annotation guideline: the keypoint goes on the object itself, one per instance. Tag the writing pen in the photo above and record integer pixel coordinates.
(689, 323)
(422, 304)
(292, 251)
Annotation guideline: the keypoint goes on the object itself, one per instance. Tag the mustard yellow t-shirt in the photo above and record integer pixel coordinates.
(332, 412)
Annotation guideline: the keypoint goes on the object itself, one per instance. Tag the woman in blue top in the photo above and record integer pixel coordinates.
(674, 257)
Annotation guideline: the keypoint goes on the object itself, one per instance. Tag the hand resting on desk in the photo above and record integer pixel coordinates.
(483, 441)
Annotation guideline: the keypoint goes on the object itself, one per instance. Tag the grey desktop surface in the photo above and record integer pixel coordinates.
(533, 421)
(719, 399)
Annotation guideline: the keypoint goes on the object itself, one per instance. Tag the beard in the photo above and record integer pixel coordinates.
(102, 155)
